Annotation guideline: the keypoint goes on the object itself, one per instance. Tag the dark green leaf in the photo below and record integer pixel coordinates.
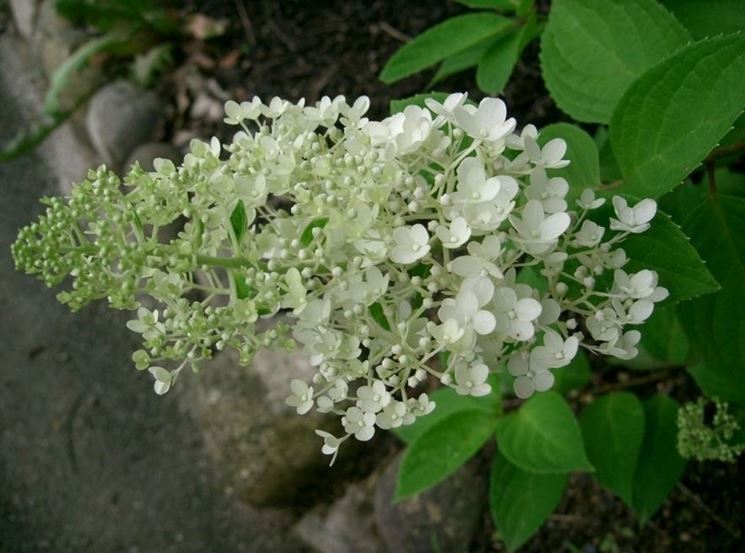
(708, 17)
(442, 449)
(238, 220)
(242, 288)
(307, 236)
(665, 249)
(495, 67)
(447, 402)
(663, 336)
(660, 466)
(521, 501)
(592, 51)
(674, 115)
(462, 60)
(397, 106)
(574, 376)
(378, 315)
(715, 324)
(613, 429)
(442, 41)
(583, 170)
(501, 5)
(543, 436)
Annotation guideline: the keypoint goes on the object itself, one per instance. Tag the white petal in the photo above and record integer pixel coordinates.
(554, 150)
(484, 322)
(543, 380)
(527, 309)
(524, 387)
(554, 225)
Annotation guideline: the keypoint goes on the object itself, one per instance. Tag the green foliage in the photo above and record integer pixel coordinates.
(574, 376)
(497, 63)
(660, 466)
(664, 337)
(378, 315)
(106, 15)
(543, 436)
(674, 115)
(442, 41)
(613, 429)
(448, 401)
(584, 170)
(709, 17)
(521, 501)
(714, 323)
(592, 51)
(665, 249)
(239, 221)
(442, 449)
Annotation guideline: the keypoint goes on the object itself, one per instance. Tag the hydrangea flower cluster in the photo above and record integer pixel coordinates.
(438, 230)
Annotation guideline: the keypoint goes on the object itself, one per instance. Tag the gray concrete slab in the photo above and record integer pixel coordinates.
(91, 459)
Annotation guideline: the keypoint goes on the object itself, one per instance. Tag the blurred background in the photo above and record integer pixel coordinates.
(90, 458)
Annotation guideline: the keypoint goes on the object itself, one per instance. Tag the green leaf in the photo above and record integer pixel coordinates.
(715, 324)
(243, 289)
(660, 466)
(495, 66)
(671, 117)
(574, 376)
(609, 169)
(238, 220)
(442, 41)
(663, 336)
(665, 249)
(543, 436)
(709, 17)
(397, 106)
(378, 315)
(447, 402)
(462, 60)
(307, 235)
(583, 170)
(592, 51)
(442, 449)
(521, 501)
(613, 429)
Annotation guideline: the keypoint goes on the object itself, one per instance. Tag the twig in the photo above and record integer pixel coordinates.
(393, 32)
(735, 533)
(711, 176)
(724, 151)
(245, 22)
(622, 385)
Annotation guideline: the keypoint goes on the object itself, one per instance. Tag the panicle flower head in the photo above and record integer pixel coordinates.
(384, 243)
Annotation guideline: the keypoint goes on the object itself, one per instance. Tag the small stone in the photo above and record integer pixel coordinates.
(446, 516)
(259, 447)
(347, 526)
(121, 116)
(146, 154)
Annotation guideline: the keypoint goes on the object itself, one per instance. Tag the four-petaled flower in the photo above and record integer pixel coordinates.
(412, 243)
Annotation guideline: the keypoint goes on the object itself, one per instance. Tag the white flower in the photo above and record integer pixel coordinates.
(589, 235)
(528, 379)
(470, 380)
(487, 122)
(455, 236)
(359, 423)
(372, 399)
(587, 200)
(163, 379)
(465, 308)
(603, 325)
(330, 444)
(447, 333)
(473, 186)
(624, 347)
(514, 317)
(550, 156)
(537, 232)
(555, 351)
(411, 244)
(301, 398)
(637, 312)
(639, 285)
(418, 407)
(392, 416)
(518, 142)
(632, 219)
(550, 192)
(444, 111)
(236, 113)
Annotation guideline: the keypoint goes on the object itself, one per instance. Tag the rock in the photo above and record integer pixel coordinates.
(444, 518)
(347, 526)
(24, 15)
(147, 153)
(262, 449)
(121, 116)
